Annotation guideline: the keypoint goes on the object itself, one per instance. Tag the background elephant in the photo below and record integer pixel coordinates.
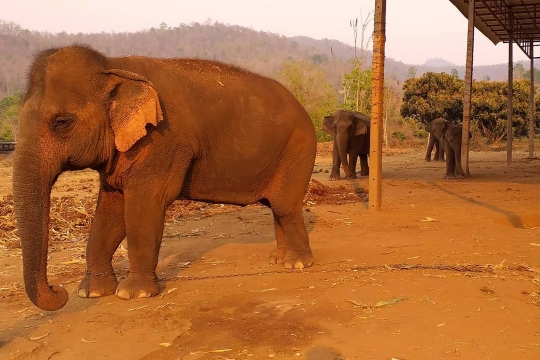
(451, 137)
(156, 130)
(351, 133)
(434, 128)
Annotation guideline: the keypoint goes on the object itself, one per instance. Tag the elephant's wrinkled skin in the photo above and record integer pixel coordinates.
(351, 133)
(434, 128)
(156, 130)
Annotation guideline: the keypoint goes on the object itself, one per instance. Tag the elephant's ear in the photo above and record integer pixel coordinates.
(135, 103)
(428, 128)
(328, 124)
(362, 124)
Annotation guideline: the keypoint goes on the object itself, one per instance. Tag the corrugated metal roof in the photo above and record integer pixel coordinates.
(494, 19)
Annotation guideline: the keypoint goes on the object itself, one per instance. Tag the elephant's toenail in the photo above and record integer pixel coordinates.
(82, 293)
(94, 294)
(123, 294)
(299, 265)
(273, 261)
(143, 294)
(288, 265)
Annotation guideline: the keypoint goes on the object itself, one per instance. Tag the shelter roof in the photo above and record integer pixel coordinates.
(496, 18)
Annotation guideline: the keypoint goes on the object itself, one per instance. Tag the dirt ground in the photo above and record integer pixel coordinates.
(449, 269)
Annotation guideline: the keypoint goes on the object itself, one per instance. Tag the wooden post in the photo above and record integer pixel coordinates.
(531, 105)
(377, 102)
(467, 93)
(510, 109)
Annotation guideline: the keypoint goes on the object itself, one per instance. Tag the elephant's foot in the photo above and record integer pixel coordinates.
(364, 173)
(427, 159)
(278, 254)
(442, 160)
(97, 285)
(138, 286)
(353, 176)
(335, 177)
(298, 259)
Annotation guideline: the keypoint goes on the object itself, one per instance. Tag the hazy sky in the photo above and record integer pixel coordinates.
(416, 29)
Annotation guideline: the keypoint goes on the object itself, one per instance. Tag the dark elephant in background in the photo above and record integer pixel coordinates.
(351, 133)
(451, 137)
(434, 128)
(155, 130)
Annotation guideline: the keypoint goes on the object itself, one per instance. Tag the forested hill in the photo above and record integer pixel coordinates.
(257, 51)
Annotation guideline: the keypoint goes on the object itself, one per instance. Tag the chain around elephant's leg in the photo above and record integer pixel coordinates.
(107, 232)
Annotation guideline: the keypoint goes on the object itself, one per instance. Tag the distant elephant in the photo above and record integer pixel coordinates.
(434, 140)
(156, 130)
(351, 133)
(451, 137)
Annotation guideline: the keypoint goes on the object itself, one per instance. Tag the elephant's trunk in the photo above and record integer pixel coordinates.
(342, 143)
(32, 185)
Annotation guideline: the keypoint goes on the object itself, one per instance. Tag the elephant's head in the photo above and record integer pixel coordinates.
(343, 126)
(78, 112)
(439, 127)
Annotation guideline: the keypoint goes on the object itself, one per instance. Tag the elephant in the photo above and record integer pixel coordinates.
(434, 140)
(450, 136)
(351, 133)
(156, 130)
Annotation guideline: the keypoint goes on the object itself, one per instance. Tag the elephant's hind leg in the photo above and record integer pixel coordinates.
(285, 195)
(107, 232)
(298, 254)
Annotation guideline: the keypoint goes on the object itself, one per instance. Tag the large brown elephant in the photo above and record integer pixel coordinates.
(450, 136)
(435, 129)
(351, 133)
(156, 130)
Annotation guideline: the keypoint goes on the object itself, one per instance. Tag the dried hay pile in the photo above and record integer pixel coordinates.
(321, 194)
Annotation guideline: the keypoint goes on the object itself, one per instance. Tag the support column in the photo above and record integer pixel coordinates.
(531, 105)
(467, 93)
(377, 102)
(510, 110)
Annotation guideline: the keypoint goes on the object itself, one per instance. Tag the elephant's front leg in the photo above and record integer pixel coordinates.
(438, 149)
(364, 165)
(336, 163)
(441, 152)
(107, 232)
(353, 157)
(145, 219)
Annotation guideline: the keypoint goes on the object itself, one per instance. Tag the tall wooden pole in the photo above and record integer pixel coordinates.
(468, 92)
(377, 102)
(531, 105)
(510, 109)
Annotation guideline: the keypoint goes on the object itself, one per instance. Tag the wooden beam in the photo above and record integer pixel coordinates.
(377, 102)
(531, 105)
(467, 93)
(510, 110)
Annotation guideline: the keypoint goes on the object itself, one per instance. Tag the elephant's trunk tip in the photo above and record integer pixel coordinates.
(49, 299)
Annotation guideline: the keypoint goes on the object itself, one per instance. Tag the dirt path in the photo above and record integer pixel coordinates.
(449, 269)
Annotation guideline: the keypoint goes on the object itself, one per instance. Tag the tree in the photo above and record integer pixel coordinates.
(309, 84)
(357, 91)
(9, 121)
(358, 73)
(431, 96)
(486, 78)
(527, 75)
(454, 73)
(412, 73)
(518, 71)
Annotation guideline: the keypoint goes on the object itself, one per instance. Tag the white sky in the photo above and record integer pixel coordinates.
(416, 29)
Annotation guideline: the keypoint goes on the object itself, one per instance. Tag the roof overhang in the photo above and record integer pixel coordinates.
(494, 19)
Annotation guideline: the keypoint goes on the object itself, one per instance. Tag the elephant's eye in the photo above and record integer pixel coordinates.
(63, 123)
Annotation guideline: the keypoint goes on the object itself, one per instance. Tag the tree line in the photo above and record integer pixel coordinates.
(435, 95)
